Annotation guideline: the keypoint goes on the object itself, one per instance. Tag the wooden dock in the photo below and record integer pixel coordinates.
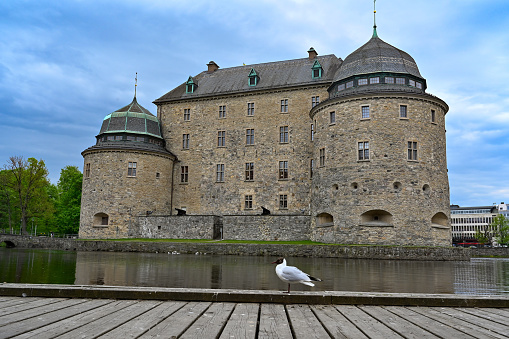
(70, 311)
(34, 317)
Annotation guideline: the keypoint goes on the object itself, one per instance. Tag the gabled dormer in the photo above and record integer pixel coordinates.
(191, 85)
(316, 70)
(253, 78)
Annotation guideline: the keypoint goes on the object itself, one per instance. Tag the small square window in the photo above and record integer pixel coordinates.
(221, 136)
(374, 80)
(249, 171)
(349, 84)
(363, 148)
(412, 150)
(222, 111)
(250, 136)
(403, 111)
(315, 101)
(284, 106)
(332, 117)
(187, 114)
(411, 83)
(283, 134)
(361, 82)
(283, 201)
(400, 81)
(220, 173)
(389, 80)
(248, 202)
(250, 108)
(283, 170)
(365, 112)
(184, 174)
(341, 87)
(131, 169)
(418, 85)
(185, 141)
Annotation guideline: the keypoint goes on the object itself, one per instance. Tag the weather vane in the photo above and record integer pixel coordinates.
(135, 83)
(374, 19)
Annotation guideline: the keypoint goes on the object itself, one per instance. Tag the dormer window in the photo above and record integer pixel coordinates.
(253, 78)
(191, 85)
(316, 70)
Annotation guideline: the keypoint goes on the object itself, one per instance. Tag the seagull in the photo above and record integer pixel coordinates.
(291, 274)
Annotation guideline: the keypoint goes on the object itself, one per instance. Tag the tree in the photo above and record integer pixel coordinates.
(28, 179)
(68, 201)
(500, 226)
(8, 207)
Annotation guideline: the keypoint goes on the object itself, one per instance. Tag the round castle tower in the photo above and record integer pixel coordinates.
(380, 172)
(127, 173)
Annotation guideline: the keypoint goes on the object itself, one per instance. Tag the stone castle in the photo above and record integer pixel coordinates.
(346, 151)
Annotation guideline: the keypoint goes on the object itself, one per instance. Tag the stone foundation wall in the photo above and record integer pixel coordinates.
(176, 227)
(267, 227)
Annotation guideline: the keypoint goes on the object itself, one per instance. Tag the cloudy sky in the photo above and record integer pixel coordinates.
(64, 65)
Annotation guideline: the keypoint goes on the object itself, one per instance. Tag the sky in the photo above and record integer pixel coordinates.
(65, 65)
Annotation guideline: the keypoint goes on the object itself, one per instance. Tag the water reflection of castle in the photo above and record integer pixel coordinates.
(481, 276)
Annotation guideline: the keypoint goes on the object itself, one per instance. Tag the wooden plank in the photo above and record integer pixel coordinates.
(438, 328)
(210, 324)
(475, 320)
(48, 318)
(178, 322)
(34, 312)
(29, 304)
(397, 323)
(78, 320)
(500, 311)
(145, 321)
(336, 323)
(109, 321)
(242, 322)
(458, 324)
(304, 323)
(366, 323)
(478, 312)
(15, 301)
(274, 322)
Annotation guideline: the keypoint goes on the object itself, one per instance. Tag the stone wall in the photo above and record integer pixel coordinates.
(273, 250)
(267, 227)
(176, 227)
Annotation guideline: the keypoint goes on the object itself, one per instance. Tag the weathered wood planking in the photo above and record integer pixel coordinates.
(242, 322)
(437, 328)
(145, 321)
(369, 325)
(336, 323)
(304, 323)
(274, 322)
(210, 324)
(478, 322)
(28, 304)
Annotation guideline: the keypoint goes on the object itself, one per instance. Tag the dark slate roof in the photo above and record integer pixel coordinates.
(132, 118)
(271, 75)
(377, 56)
(126, 145)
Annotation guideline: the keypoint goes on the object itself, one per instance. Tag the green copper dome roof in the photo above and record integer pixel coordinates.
(132, 118)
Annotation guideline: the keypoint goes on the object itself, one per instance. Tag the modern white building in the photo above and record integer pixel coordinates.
(466, 221)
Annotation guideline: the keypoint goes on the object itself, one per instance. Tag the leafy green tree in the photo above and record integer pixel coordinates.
(68, 201)
(9, 211)
(483, 237)
(500, 226)
(28, 178)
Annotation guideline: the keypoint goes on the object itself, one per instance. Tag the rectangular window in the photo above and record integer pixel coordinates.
(221, 135)
(248, 202)
(184, 173)
(250, 108)
(433, 115)
(332, 117)
(87, 170)
(220, 173)
(374, 80)
(283, 170)
(284, 106)
(403, 111)
(361, 82)
(341, 87)
(363, 148)
(283, 201)
(412, 150)
(365, 112)
(418, 85)
(411, 83)
(185, 141)
(187, 114)
(222, 111)
(283, 134)
(249, 171)
(400, 81)
(250, 136)
(131, 169)
(322, 157)
(389, 80)
(349, 84)
(312, 132)
(315, 101)
(311, 167)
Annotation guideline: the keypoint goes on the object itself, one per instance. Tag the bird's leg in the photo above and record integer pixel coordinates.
(288, 289)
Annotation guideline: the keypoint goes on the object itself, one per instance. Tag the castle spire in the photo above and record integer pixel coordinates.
(375, 35)
(135, 84)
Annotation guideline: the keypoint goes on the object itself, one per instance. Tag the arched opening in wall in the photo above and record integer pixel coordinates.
(101, 220)
(376, 218)
(7, 244)
(439, 220)
(426, 188)
(324, 220)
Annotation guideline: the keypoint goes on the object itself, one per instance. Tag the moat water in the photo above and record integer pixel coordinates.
(478, 276)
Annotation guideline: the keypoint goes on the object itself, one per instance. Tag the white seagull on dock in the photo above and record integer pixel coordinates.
(292, 275)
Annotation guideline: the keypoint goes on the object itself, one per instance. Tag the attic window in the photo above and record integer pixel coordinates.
(191, 85)
(316, 70)
(253, 78)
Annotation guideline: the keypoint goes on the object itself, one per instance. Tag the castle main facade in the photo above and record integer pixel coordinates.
(353, 151)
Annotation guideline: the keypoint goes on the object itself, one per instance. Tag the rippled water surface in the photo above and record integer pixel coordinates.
(478, 276)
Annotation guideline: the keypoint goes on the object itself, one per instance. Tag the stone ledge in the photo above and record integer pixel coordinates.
(258, 296)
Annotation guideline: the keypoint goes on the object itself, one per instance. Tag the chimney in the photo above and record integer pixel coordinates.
(312, 53)
(212, 67)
